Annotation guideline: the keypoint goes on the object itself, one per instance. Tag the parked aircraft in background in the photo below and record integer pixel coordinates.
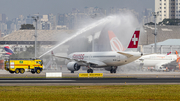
(8, 50)
(158, 61)
(108, 60)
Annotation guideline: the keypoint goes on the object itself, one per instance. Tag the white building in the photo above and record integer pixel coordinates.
(167, 9)
(163, 7)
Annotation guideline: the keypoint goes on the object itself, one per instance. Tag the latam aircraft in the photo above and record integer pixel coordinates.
(8, 50)
(158, 61)
(108, 60)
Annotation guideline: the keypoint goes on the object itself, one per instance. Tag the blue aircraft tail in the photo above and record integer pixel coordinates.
(8, 50)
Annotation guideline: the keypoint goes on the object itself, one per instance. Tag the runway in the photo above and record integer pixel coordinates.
(90, 80)
(124, 78)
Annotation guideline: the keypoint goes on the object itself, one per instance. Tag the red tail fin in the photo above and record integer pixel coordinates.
(168, 53)
(52, 53)
(115, 43)
(134, 40)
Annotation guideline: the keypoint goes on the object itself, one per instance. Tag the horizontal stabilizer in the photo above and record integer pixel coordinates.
(128, 55)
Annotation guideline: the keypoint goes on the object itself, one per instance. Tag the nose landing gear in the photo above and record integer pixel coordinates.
(89, 71)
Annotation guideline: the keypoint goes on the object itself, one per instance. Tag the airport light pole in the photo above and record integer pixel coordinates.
(155, 14)
(35, 35)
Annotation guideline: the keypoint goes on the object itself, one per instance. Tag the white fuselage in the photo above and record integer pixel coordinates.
(155, 60)
(104, 59)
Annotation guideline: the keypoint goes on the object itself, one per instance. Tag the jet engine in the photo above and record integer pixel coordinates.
(73, 66)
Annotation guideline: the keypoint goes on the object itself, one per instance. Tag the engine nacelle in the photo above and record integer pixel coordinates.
(73, 66)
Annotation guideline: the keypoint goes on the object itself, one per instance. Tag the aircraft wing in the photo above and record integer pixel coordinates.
(172, 63)
(99, 63)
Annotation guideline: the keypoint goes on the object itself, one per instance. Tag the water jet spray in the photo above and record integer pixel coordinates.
(89, 27)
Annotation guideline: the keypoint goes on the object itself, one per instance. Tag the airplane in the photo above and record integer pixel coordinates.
(108, 60)
(158, 61)
(8, 50)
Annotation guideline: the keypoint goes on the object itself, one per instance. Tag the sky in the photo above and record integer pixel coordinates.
(14, 8)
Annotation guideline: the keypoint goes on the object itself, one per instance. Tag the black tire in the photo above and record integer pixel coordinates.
(12, 72)
(17, 71)
(72, 71)
(111, 71)
(114, 70)
(88, 71)
(38, 71)
(32, 71)
(22, 71)
(91, 71)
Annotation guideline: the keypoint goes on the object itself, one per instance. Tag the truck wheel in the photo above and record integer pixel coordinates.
(17, 71)
(38, 71)
(22, 71)
(32, 72)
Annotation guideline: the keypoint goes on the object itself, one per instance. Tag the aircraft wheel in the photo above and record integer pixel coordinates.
(17, 71)
(88, 71)
(91, 71)
(111, 71)
(72, 71)
(114, 71)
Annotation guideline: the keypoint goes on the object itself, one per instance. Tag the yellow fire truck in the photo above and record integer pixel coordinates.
(20, 65)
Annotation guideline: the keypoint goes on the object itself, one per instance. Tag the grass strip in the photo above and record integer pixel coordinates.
(90, 93)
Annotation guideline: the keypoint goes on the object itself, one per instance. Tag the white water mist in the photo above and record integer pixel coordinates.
(89, 27)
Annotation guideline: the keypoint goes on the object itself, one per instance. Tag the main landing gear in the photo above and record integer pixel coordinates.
(113, 69)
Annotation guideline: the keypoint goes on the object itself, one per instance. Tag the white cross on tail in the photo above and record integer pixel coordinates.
(134, 39)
